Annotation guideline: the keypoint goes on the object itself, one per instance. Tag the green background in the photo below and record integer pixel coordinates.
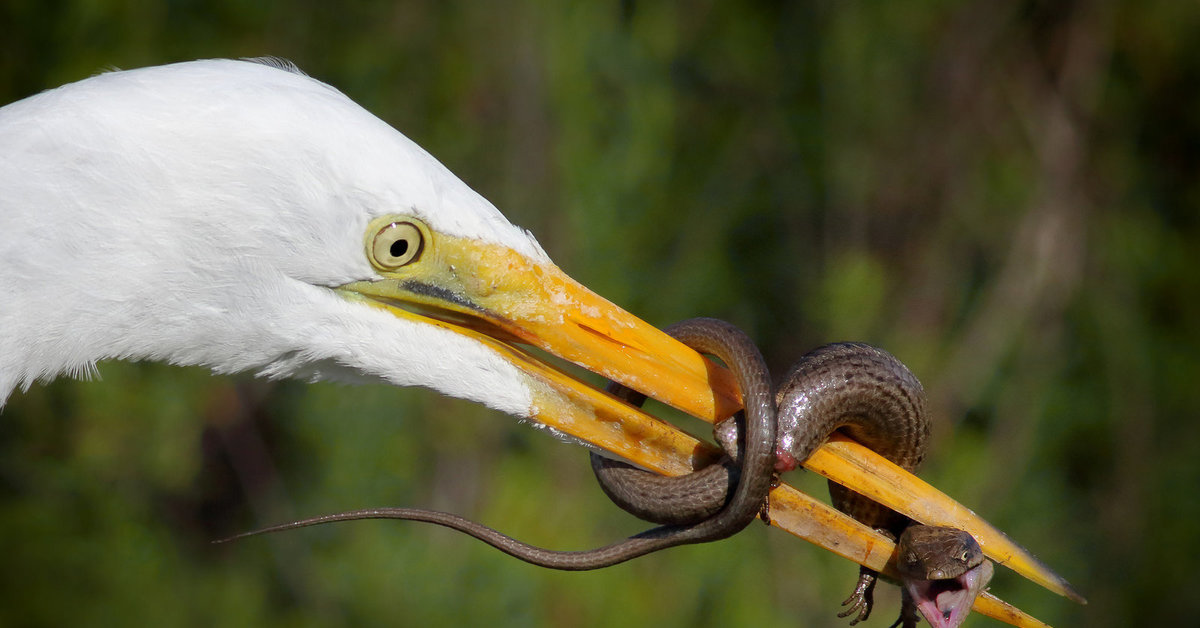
(1003, 194)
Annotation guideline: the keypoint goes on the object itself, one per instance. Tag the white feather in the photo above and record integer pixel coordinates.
(200, 213)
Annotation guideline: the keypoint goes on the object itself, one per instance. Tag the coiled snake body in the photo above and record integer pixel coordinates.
(873, 398)
(857, 388)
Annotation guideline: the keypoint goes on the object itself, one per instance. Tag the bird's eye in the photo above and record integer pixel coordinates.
(396, 244)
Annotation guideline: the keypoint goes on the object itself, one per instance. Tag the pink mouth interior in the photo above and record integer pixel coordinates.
(946, 603)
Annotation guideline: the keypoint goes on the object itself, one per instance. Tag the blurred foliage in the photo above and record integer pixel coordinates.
(1004, 194)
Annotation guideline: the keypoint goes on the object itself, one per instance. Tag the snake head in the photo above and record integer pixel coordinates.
(943, 571)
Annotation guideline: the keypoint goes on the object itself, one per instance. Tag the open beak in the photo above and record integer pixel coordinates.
(509, 303)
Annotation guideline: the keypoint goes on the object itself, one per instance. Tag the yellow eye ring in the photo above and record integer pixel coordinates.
(396, 244)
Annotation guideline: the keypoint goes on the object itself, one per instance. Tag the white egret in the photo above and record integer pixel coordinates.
(245, 217)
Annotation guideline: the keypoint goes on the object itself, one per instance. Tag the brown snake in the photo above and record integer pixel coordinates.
(863, 391)
(873, 398)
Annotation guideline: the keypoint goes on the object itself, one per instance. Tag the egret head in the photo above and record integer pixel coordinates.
(244, 216)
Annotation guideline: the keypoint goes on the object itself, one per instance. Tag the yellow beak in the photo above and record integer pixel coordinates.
(504, 300)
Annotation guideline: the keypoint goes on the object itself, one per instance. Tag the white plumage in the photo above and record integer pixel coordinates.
(200, 213)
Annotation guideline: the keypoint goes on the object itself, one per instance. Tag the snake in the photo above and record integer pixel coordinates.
(740, 501)
(873, 398)
(857, 388)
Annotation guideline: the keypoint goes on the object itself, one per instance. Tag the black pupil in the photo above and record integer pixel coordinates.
(398, 248)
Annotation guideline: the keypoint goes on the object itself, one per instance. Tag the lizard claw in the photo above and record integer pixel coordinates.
(863, 598)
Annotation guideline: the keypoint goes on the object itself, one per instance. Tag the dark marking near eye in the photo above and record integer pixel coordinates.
(437, 292)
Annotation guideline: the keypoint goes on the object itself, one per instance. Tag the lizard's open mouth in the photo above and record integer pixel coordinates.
(945, 603)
